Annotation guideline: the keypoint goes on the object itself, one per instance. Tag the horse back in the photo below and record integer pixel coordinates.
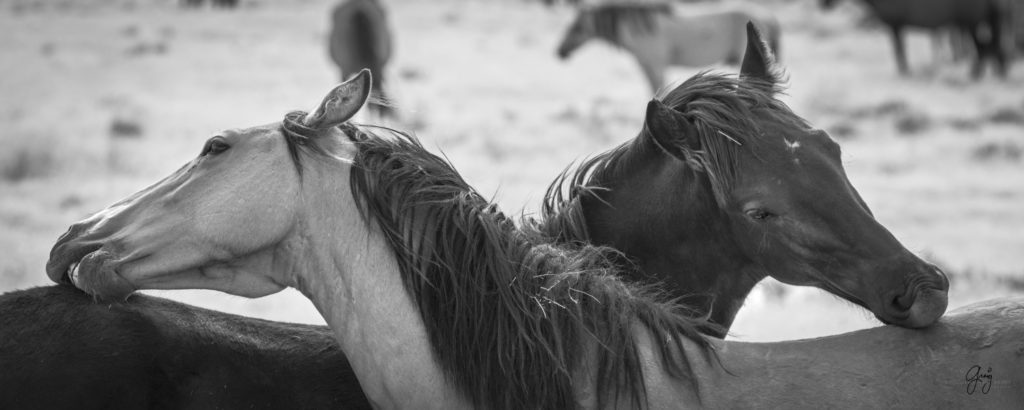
(717, 33)
(61, 350)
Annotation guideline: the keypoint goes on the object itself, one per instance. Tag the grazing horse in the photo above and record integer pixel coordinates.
(59, 349)
(660, 35)
(440, 301)
(969, 16)
(360, 39)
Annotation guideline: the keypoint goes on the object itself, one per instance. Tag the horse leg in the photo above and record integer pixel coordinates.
(655, 76)
(981, 49)
(897, 43)
(995, 21)
(381, 107)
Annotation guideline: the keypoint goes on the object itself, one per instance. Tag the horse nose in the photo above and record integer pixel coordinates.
(921, 305)
(68, 250)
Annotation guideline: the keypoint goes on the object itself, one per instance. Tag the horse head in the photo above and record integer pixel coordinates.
(219, 222)
(772, 194)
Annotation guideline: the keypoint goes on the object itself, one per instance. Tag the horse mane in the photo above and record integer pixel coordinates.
(610, 18)
(509, 319)
(721, 108)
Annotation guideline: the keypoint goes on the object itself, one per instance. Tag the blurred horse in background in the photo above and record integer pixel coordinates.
(360, 38)
(660, 35)
(982, 20)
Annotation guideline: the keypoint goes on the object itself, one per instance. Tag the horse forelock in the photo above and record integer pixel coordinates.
(507, 315)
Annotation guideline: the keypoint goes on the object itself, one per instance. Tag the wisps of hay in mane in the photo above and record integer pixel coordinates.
(509, 319)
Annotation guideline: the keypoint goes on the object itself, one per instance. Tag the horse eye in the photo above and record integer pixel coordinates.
(215, 146)
(758, 214)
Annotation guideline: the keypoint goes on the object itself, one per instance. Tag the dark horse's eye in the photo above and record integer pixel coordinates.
(758, 214)
(215, 146)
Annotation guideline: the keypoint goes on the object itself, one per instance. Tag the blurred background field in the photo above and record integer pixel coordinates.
(100, 98)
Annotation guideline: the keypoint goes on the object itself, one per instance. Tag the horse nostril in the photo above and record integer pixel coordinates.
(903, 303)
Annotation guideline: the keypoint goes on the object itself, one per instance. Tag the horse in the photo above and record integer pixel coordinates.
(360, 38)
(62, 350)
(659, 35)
(968, 16)
(741, 189)
(440, 301)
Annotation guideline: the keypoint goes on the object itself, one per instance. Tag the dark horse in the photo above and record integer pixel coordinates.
(360, 38)
(969, 16)
(740, 188)
(59, 349)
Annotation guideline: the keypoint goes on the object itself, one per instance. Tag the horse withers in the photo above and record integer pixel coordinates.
(660, 35)
(360, 38)
(982, 20)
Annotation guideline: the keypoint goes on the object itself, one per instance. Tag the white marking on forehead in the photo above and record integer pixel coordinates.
(792, 145)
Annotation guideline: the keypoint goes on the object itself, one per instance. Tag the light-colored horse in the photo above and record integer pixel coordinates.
(367, 227)
(664, 35)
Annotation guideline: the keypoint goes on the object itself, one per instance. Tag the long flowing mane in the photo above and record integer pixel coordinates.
(721, 107)
(510, 320)
(609, 19)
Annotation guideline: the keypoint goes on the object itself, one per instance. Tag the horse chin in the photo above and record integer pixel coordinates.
(96, 275)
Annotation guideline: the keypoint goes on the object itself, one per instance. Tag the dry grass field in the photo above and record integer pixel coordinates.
(101, 98)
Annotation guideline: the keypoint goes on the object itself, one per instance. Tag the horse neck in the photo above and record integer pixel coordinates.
(676, 233)
(345, 266)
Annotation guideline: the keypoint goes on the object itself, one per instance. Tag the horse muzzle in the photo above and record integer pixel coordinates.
(86, 265)
(918, 306)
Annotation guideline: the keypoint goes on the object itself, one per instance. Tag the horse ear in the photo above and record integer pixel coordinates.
(342, 102)
(758, 60)
(671, 131)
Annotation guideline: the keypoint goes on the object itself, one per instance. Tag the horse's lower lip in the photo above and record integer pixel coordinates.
(71, 275)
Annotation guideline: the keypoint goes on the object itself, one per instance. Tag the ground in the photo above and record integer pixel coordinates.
(101, 98)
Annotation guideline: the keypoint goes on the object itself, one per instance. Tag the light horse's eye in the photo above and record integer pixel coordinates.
(215, 146)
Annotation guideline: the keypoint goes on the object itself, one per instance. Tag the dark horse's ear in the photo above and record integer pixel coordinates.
(671, 131)
(342, 102)
(758, 61)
